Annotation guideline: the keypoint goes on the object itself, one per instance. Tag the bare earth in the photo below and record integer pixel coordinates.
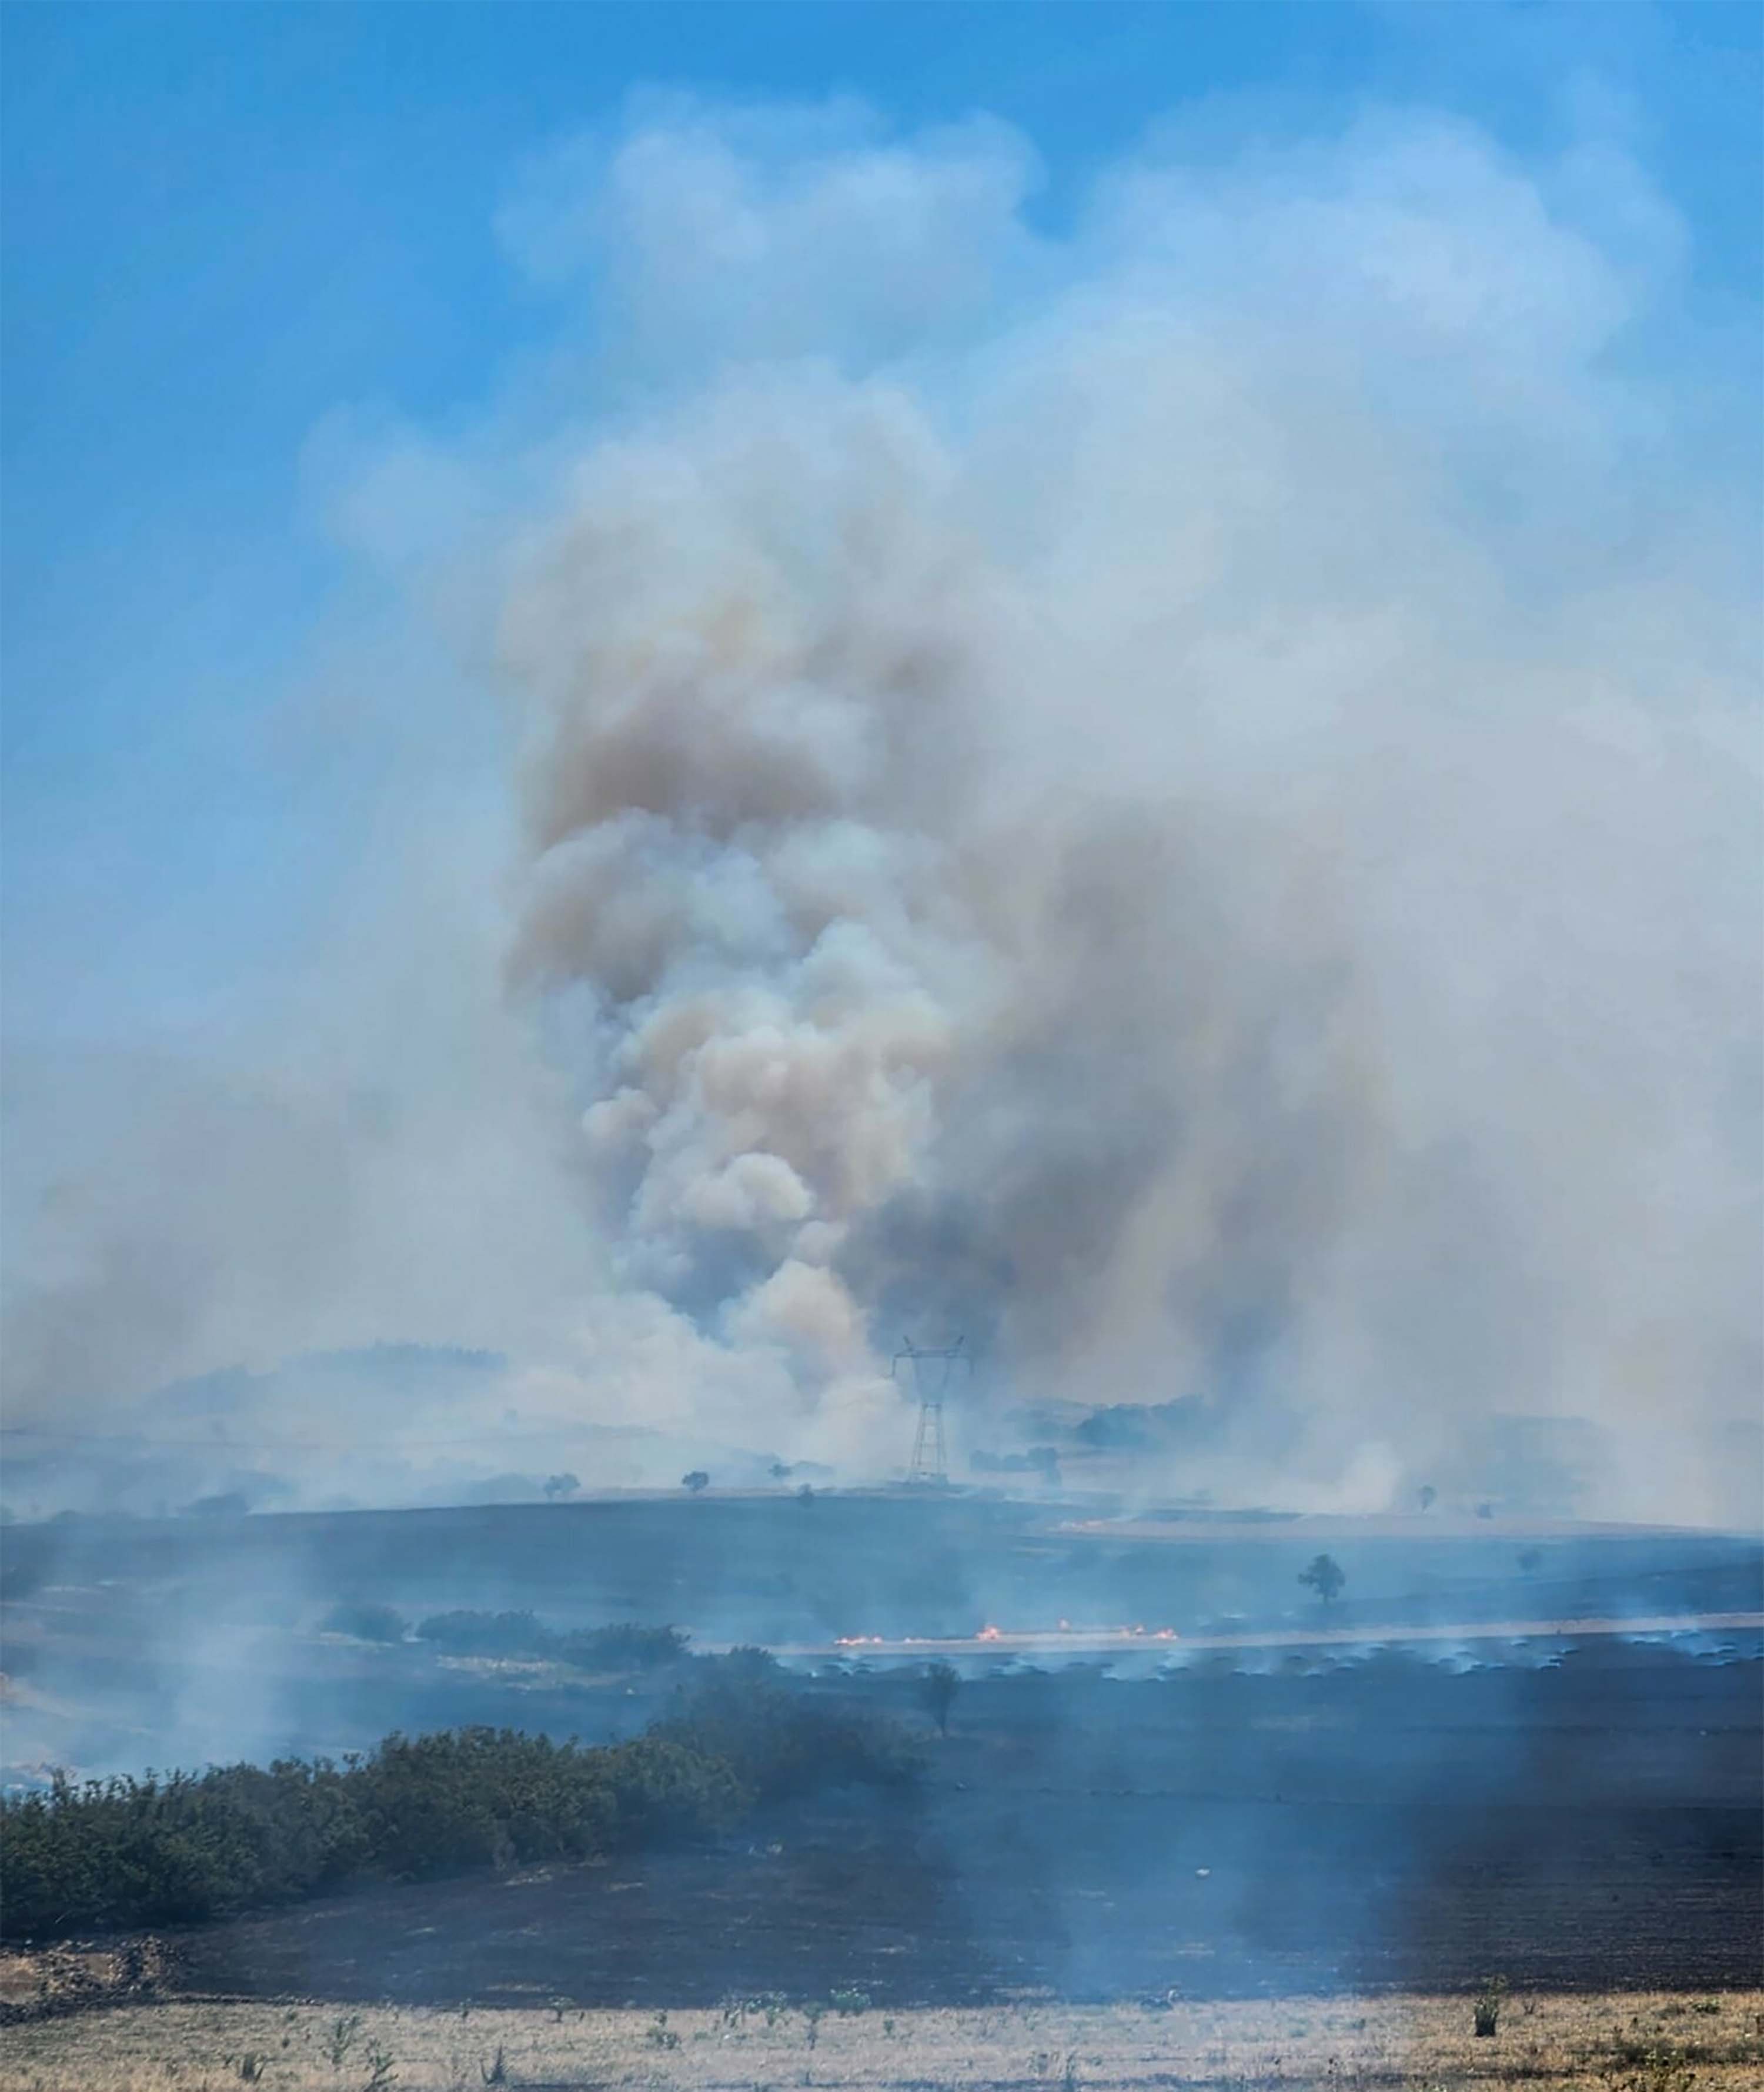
(1611, 2042)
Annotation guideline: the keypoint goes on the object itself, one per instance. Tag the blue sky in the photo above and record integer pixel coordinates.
(224, 224)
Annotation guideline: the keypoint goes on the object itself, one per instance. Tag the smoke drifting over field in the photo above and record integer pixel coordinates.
(1177, 796)
(1166, 841)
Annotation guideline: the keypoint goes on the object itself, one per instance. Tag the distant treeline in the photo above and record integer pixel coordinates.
(117, 1854)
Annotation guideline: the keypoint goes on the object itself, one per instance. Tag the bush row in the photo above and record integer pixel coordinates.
(618, 1648)
(100, 1854)
(779, 1744)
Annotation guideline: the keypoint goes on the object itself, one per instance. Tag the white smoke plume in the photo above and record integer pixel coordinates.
(1179, 798)
(1201, 831)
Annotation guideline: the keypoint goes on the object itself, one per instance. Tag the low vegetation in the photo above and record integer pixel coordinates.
(1401, 2043)
(116, 1854)
(1486, 2016)
(107, 1854)
(778, 1742)
(366, 1623)
(485, 1634)
(621, 1647)
(937, 1690)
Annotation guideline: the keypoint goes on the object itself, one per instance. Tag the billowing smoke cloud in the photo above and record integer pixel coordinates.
(1187, 824)
(1177, 797)
(887, 1025)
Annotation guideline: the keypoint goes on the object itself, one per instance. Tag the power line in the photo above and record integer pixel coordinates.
(929, 1465)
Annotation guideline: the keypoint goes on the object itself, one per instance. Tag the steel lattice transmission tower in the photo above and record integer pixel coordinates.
(933, 1366)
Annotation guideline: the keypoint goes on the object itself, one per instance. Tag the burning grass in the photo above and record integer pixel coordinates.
(1593, 2043)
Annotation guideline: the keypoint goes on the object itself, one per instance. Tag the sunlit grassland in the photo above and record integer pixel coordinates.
(1616, 2043)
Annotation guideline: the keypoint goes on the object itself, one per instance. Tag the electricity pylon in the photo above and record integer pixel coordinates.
(932, 1367)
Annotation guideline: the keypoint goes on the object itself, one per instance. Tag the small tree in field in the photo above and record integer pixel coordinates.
(1326, 1576)
(1428, 1496)
(937, 1690)
(557, 1487)
(697, 1480)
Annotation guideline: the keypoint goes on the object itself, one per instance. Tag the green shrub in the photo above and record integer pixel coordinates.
(121, 1853)
(1486, 2018)
(778, 1743)
(937, 1691)
(745, 1665)
(486, 1634)
(104, 1854)
(621, 1648)
(366, 1623)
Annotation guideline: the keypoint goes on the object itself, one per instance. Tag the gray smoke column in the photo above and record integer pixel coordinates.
(877, 1021)
(1195, 822)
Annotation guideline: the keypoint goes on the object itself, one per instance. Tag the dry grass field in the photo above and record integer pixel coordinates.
(1616, 2043)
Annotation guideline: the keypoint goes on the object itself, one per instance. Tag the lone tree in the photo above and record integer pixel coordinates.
(1428, 1494)
(1326, 1576)
(937, 1690)
(696, 1481)
(559, 1486)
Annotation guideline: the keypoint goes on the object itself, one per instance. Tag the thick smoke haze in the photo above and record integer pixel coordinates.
(1176, 796)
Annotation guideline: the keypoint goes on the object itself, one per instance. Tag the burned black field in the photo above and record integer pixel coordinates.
(1345, 1812)
(1389, 1824)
